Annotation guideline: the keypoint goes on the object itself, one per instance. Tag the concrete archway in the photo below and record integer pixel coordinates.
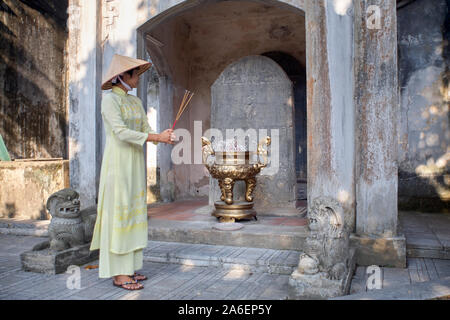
(191, 44)
(344, 161)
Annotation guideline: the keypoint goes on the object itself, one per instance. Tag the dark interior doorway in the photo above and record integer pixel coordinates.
(297, 73)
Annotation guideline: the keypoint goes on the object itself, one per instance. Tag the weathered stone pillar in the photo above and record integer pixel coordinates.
(165, 118)
(331, 119)
(84, 94)
(376, 103)
(326, 268)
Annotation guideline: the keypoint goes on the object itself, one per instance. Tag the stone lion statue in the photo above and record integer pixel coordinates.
(327, 244)
(69, 226)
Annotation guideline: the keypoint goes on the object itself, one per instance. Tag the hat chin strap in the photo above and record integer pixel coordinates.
(114, 81)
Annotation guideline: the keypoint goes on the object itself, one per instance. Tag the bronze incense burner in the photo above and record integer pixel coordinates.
(228, 167)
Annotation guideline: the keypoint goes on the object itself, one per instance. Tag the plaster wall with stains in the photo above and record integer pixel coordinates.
(424, 133)
(33, 113)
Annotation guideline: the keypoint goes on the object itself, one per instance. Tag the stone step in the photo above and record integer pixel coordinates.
(20, 227)
(427, 234)
(428, 290)
(266, 232)
(253, 234)
(227, 257)
(422, 251)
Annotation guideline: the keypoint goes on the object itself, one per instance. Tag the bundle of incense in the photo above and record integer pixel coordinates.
(186, 99)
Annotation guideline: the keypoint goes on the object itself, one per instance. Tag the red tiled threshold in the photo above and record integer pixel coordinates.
(174, 209)
(175, 216)
(184, 210)
(284, 221)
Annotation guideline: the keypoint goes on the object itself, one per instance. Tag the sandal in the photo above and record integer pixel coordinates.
(128, 283)
(138, 277)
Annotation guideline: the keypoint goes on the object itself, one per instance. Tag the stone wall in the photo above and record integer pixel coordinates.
(254, 93)
(423, 35)
(29, 184)
(33, 116)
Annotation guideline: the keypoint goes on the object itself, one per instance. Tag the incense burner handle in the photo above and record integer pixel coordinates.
(207, 150)
(262, 152)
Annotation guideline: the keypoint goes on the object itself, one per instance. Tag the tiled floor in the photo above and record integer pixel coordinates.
(418, 270)
(166, 281)
(186, 282)
(427, 242)
(427, 234)
(427, 237)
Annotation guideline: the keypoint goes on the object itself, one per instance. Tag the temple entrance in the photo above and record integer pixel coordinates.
(190, 47)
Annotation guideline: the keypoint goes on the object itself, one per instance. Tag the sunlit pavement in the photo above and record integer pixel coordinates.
(166, 280)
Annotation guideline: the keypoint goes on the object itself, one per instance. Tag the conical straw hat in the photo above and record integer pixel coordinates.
(120, 64)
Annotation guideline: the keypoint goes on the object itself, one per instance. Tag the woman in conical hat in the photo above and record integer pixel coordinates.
(120, 230)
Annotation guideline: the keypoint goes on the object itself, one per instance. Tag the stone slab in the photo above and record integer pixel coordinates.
(225, 257)
(24, 232)
(42, 260)
(429, 290)
(252, 235)
(24, 227)
(423, 241)
(318, 286)
(432, 253)
(427, 234)
(389, 252)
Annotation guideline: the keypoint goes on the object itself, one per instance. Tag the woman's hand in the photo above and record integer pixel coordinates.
(167, 136)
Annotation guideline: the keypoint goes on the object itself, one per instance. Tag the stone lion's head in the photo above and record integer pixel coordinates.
(324, 216)
(64, 204)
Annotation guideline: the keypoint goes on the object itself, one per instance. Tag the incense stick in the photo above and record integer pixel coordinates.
(184, 103)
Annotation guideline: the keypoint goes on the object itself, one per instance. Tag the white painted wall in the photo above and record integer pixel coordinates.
(96, 32)
(83, 89)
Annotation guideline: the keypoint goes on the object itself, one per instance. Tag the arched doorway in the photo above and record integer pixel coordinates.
(190, 45)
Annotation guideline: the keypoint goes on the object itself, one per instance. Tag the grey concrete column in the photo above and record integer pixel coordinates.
(327, 265)
(376, 101)
(165, 119)
(84, 92)
(329, 105)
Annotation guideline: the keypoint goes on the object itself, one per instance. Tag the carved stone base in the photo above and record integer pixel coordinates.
(236, 211)
(319, 285)
(42, 260)
(390, 252)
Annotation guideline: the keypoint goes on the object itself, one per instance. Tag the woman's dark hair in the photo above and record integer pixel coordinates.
(130, 72)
